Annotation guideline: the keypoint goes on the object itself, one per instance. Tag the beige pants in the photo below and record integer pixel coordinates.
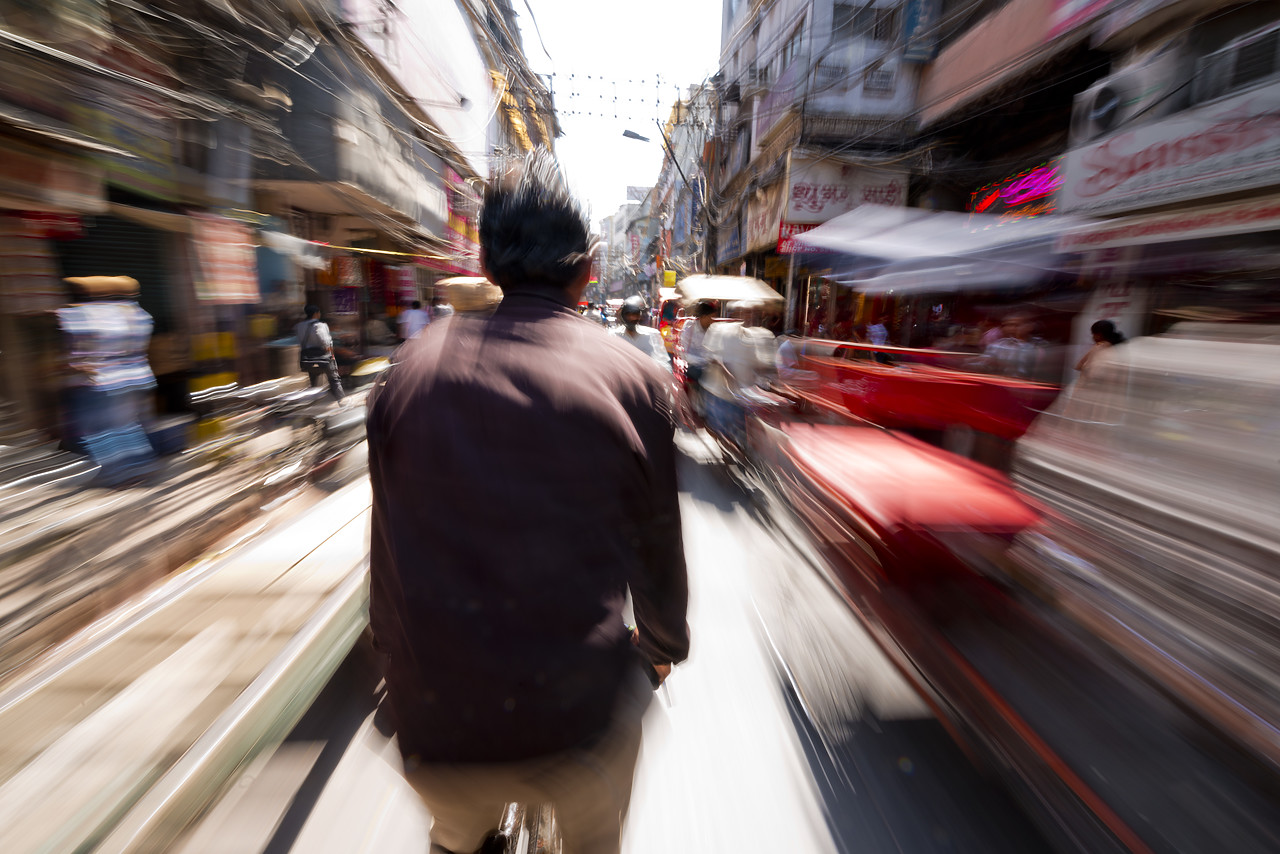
(589, 788)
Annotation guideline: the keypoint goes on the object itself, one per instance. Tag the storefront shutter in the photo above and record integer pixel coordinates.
(118, 247)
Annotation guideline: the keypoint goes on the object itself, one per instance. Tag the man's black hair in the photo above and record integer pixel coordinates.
(416, 304)
(311, 310)
(534, 233)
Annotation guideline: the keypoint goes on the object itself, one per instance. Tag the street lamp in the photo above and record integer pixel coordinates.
(666, 143)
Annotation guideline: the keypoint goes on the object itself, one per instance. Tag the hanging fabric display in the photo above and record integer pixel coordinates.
(228, 271)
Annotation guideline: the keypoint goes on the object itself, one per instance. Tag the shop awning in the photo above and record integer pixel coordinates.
(894, 233)
(939, 276)
(34, 124)
(1243, 217)
(159, 220)
(910, 250)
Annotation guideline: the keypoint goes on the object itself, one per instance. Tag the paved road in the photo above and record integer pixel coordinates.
(786, 731)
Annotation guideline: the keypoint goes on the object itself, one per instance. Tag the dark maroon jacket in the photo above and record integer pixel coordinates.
(523, 474)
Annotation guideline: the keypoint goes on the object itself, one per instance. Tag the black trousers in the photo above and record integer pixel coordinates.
(316, 370)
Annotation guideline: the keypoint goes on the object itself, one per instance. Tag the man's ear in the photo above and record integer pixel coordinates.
(578, 286)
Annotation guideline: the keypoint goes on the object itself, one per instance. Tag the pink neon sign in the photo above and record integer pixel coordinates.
(1024, 188)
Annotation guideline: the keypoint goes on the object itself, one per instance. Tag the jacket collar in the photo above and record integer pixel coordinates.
(536, 301)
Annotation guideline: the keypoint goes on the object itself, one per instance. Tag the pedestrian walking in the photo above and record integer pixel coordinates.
(108, 381)
(413, 320)
(692, 348)
(440, 307)
(315, 352)
(523, 471)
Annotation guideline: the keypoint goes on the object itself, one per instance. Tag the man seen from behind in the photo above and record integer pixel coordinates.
(412, 321)
(494, 445)
(315, 352)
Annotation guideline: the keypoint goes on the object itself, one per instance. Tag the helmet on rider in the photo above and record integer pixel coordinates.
(631, 312)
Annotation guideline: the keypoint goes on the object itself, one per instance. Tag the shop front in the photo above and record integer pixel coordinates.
(820, 190)
(1187, 217)
(45, 196)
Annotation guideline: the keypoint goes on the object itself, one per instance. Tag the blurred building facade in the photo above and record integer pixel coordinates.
(239, 158)
(815, 115)
(629, 246)
(1013, 109)
(681, 186)
(1175, 155)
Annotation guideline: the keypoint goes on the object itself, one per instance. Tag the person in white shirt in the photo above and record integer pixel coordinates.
(787, 362)
(692, 345)
(740, 357)
(646, 339)
(413, 321)
(440, 307)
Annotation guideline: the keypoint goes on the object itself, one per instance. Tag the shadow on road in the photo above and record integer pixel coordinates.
(904, 785)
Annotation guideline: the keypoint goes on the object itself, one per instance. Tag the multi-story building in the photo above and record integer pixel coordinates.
(681, 184)
(628, 247)
(817, 101)
(1175, 154)
(240, 157)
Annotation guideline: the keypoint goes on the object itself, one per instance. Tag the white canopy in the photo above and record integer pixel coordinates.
(727, 289)
(894, 233)
(915, 250)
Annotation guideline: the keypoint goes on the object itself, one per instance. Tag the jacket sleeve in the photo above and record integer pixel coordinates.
(383, 584)
(660, 593)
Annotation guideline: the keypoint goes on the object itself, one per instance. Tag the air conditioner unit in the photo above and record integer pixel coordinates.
(1146, 90)
(1241, 64)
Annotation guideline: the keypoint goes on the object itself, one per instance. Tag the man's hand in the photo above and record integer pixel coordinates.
(661, 670)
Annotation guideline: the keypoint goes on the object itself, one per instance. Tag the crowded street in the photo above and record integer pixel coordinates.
(712, 427)
(787, 729)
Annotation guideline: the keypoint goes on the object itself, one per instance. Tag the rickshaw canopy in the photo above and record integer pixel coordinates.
(471, 293)
(727, 289)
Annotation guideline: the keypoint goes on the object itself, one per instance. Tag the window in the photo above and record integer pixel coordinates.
(886, 26)
(879, 82)
(842, 20)
(878, 24)
(792, 48)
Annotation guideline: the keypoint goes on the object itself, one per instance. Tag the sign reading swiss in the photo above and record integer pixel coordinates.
(1217, 148)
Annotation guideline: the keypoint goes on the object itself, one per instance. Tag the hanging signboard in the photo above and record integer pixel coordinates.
(228, 269)
(462, 227)
(920, 30)
(764, 216)
(1229, 145)
(824, 189)
(1191, 224)
(128, 117)
(344, 302)
(730, 245)
(346, 271)
(1069, 14)
(787, 233)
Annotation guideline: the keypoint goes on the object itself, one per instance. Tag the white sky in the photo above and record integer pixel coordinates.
(640, 57)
